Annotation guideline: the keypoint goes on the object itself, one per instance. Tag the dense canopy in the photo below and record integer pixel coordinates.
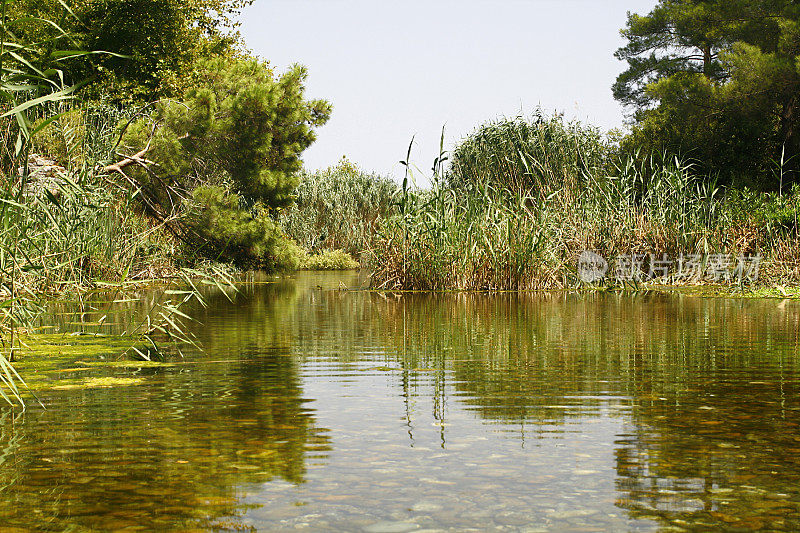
(718, 80)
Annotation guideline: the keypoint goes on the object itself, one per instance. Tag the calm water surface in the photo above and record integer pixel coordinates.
(321, 409)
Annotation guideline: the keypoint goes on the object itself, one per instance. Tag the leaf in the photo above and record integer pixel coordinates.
(64, 94)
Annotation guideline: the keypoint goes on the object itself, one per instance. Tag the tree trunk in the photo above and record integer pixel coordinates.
(790, 137)
(707, 60)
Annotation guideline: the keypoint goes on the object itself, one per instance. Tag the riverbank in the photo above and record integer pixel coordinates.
(563, 191)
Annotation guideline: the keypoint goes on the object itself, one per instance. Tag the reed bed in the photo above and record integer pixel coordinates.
(524, 223)
(66, 230)
(338, 208)
(533, 154)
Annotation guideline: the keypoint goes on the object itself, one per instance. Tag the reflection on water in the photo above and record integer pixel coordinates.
(328, 409)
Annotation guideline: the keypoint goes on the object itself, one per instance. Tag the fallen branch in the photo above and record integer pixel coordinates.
(136, 158)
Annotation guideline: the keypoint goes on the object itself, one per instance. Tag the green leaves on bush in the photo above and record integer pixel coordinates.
(229, 153)
(328, 260)
(249, 238)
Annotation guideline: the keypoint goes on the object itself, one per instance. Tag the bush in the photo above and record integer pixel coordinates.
(233, 145)
(328, 260)
(769, 213)
(339, 208)
(248, 238)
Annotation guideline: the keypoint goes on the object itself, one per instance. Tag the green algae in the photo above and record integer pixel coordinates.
(128, 364)
(726, 291)
(704, 290)
(50, 361)
(56, 347)
(94, 383)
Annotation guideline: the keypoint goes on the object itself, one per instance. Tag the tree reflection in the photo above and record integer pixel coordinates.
(176, 453)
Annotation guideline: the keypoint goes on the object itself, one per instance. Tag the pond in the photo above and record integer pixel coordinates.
(318, 407)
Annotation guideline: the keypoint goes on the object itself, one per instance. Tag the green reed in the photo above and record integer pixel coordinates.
(338, 209)
(529, 154)
(521, 201)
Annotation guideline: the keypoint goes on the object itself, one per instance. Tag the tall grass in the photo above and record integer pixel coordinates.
(338, 209)
(523, 223)
(28, 82)
(535, 154)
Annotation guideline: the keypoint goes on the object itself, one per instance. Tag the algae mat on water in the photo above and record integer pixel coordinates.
(62, 362)
(91, 383)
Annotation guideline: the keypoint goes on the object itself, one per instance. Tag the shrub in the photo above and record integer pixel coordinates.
(233, 146)
(249, 238)
(339, 208)
(328, 260)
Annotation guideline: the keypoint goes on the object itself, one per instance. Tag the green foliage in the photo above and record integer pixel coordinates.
(338, 208)
(446, 239)
(718, 81)
(328, 260)
(241, 124)
(153, 44)
(683, 36)
(32, 74)
(250, 238)
(488, 237)
(770, 212)
(31, 78)
(61, 228)
(236, 140)
(80, 135)
(520, 154)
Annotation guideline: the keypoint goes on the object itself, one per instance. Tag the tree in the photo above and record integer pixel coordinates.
(228, 155)
(718, 80)
(152, 44)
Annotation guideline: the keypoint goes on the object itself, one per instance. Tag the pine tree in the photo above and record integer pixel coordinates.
(227, 156)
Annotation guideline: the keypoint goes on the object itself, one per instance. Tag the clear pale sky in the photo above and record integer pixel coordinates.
(393, 70)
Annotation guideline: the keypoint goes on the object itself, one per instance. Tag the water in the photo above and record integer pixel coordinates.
(319, 409)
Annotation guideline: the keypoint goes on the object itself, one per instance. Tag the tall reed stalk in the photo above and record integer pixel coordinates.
(26, 85)
(338, 209)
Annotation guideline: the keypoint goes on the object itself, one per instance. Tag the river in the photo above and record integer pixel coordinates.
(317, 406)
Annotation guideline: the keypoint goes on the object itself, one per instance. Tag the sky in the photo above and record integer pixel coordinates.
(397, 70)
